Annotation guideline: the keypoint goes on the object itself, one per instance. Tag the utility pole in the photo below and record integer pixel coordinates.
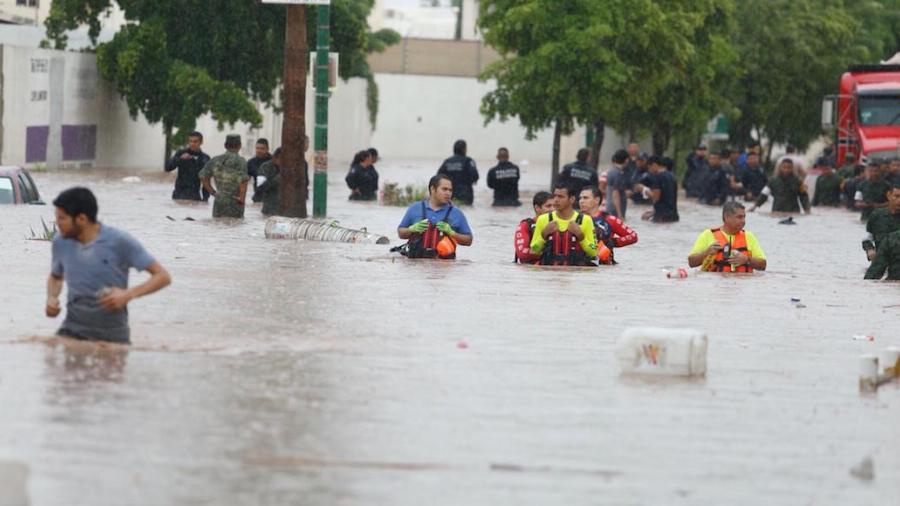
(320, 180)
(293, 190)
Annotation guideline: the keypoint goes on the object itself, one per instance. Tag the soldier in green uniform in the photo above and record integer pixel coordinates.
(847, 170)
(887, 259)
(882, 222)
(267, 192)
(787, 191)
(230, 172)
(828, 185)
(870, 194)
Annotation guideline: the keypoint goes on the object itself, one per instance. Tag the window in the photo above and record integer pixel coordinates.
(7, 194)
(26, 189)
(879, 110)
(27, 3)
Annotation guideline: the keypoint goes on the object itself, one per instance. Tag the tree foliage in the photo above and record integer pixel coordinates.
(176, 60)
(788, 67)
(666, 67)
(605, 62)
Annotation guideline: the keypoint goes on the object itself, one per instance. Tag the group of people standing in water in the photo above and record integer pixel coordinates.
(570, 226)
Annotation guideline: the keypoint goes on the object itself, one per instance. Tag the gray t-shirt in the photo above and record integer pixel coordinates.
(615, 180)
(89, 268)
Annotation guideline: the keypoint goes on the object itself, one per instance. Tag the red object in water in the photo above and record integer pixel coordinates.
(681, 273)
(462, 345)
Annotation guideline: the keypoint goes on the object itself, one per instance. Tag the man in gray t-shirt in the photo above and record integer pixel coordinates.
(94, 260)
(616, 185)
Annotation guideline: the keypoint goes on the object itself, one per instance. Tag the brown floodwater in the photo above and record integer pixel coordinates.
(286, 372)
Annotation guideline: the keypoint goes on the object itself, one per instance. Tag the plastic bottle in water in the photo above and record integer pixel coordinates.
(661, 351)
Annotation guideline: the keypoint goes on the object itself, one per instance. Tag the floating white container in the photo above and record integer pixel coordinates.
(662, 351)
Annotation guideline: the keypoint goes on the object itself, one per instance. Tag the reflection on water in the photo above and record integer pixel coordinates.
(276, 372)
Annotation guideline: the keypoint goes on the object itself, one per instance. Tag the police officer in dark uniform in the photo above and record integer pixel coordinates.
(462, 173)
(262, 156)
(504, 180)
(189, 161)
(362, 179)
(579, 173)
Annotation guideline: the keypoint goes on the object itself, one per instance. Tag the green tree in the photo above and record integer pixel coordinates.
(619, 63)
(786, 68)
(694, 91)
(880, 26)
(173, 65)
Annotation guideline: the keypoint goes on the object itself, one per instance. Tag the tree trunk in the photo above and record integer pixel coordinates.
(599, 127)
(292, 189)
(459, 20)
(661, 139)
(557, 133)
(167, 149)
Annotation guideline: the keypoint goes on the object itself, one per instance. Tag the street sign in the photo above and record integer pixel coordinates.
(298, 2)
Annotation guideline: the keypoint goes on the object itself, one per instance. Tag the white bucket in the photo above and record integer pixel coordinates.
(661, 351)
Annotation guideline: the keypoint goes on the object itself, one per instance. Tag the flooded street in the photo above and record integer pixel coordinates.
(290, 372)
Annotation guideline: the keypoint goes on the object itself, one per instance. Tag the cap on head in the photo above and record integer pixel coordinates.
(232, 141)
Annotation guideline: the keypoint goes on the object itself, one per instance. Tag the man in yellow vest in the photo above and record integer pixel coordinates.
(728, 248)
(564, 236)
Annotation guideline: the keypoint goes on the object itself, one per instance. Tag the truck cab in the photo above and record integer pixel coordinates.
(865, 116)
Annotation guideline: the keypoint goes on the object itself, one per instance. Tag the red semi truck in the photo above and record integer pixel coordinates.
(867, 111)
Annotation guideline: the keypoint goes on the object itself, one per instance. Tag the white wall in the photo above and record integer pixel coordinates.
(45, 88)
(420, 117)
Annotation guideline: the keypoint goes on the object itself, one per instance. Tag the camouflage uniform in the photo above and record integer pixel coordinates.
(887, 259)
(229, 170)
(268, 191)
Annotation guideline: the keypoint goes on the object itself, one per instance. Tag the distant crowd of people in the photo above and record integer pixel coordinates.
(583, 220)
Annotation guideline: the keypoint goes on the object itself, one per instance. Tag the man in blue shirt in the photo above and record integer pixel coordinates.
(429, 220)
(94, 259)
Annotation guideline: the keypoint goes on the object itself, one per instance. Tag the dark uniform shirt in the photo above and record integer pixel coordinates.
(504, 180)
(887, 259)
(253, 166)
(666, 208)
(267, 192)
(787, 194)
(754, 180)
(462, 172)
(873, 192)
(882, 223)
(715, 187)
(187, 183)
(228, 170)
(828, 190)
(363, 179)
(694, 177)
(577, 175)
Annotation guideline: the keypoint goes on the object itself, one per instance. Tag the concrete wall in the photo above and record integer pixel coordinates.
(421, 116)
(34, 12)
(57, 112)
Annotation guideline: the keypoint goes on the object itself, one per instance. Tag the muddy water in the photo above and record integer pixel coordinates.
(312, 373)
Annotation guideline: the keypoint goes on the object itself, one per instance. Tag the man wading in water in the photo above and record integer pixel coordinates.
(94, 260)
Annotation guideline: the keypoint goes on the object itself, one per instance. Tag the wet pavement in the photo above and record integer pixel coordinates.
(284, 372)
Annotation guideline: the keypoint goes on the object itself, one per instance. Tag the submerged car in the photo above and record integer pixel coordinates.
(17, 187)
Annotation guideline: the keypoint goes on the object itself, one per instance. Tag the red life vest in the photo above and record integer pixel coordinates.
(563, 248)
(738, 246)
(425, 245)
(530, 222)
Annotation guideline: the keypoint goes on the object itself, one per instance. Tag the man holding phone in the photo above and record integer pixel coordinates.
(728, 248)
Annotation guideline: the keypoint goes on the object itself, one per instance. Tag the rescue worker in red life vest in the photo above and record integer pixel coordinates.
(728, 248)
(543, 204)
(610, 231)
(564, 236)
(434, 226)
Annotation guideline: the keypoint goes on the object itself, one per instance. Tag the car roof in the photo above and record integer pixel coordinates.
(9, 170)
